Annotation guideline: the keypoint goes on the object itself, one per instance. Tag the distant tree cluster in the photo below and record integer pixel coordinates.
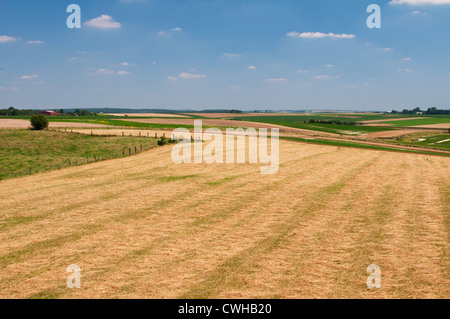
(15, 112)
(80, 112)
(417, 110)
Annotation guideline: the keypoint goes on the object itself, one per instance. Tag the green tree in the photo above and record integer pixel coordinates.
(39, 122)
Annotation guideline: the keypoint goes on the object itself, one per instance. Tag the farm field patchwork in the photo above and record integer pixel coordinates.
(142, 226)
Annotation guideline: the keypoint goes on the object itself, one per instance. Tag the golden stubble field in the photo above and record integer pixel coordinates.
(145, 227)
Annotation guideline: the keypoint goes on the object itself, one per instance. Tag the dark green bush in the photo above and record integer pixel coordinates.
(39, 122)
(164, 141)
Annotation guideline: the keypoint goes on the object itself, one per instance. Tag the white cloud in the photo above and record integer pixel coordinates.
(329, 66)
(72, 59)
(385, 49)
(125, 64)
(302, 71)
(35, 42)
(252, 67)
(29, 77)
(5, 38)
(103, 22)
(276, 80)
(123, 73)
(191, 76)
(232, 55)
(104, 71)
(407, 59)
(405, 70)
(12, 88)
(420, 2)
(162, 32)
(319, 35)
(172, 78)
(326, 77)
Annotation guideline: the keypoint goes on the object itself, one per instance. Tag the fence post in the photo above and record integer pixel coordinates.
(70, 163)
(135, 149)
(95, 158)
(156, 135)
(129, 151)
(141, 147)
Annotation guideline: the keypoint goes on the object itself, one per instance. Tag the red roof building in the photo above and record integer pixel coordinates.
(50, 113)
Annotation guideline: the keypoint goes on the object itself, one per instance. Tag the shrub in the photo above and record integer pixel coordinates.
(39, 122)
(164, 141)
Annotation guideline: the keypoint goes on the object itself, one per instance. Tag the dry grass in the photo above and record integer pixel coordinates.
(145, 227)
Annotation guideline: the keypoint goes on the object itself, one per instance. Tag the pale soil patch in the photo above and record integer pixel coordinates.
(146, 115)
(394, 133)
(143, 227)
(23, 124)
(441, 125)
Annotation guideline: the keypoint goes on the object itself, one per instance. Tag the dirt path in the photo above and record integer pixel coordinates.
(145, 227)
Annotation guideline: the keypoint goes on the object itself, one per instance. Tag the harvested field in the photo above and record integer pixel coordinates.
(145, 227)
(441, 125)
(24, 124)
(147, 115)
(231, 123)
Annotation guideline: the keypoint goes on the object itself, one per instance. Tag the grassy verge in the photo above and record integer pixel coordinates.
(22, 150)
(425, 140)
(359, 145)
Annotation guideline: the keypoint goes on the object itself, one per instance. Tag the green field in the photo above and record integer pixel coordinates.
(21, 150)
(415, 122)
(298, 121)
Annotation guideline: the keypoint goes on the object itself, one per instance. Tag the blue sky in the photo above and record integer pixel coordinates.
(203, 54)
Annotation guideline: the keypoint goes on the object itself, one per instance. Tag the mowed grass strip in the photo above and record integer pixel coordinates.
(359, 145)
(166, 230)
(21, 150)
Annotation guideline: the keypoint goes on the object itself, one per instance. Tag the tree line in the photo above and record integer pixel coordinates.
(417, 110)
(16, 112)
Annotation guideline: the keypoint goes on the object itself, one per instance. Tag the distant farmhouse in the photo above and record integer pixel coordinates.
(50, 113)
